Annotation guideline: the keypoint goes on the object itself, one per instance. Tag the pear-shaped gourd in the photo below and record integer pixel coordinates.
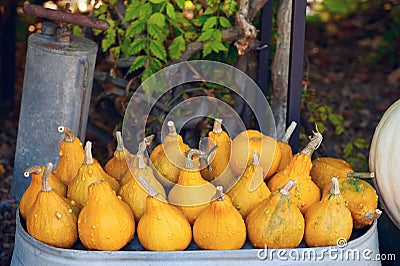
(220, 158)
(88, 173)
(276, 222)
(29, 196)
(117, 166)
(285, 148)
(220, 225)
(105, 222)
(324, 168)
(51, 220)
(163, 226)
(361, 199)
(71, 156)
(328, 220)
(191, 193)
(111, 180)
(134, 193)
(306, 192)
(250, 189)
(169, 158)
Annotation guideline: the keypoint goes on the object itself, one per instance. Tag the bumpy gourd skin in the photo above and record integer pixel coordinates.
(51, 219)
(117, 166)
(276, 222)
(328, 220)
(324, 168)
(220, 226)
(105, 222)
(163, 227)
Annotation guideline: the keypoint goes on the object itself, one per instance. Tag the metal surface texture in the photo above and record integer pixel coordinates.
(56, 91)
(29, 251)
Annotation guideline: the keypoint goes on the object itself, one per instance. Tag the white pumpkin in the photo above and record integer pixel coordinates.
(384, 161)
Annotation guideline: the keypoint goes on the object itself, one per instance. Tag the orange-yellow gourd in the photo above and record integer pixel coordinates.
(329, 220)
(191, 193)
(117, 166)
(105, 222)
(220, 158)
(249, 141)
(111, 180)
(324, 168)
(71, 156)
(250, 189)
(361, 199)
(305, 192)
(169, 158)
(220, 226)
(276, 222)
(163, 226)
(285, 148)
(51, 220)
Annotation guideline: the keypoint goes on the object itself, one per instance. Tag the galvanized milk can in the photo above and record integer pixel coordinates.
(56, 91)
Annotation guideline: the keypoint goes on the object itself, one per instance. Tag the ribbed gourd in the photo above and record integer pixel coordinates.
(305, 192)
(285, 148)
(220, 160)
(29, 196)
(134, 193)
(276, 222)
(220, 226)
(250, 189)
(324, 168)
(117, 166)
(361, 199)
(191, 193)
(329, 221)
(163, 226)
(105, 222)
(71, 156)
(51, 220)
(168, 158)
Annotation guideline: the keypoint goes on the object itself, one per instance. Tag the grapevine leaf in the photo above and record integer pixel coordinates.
(145, 11)
(157, 19)
(157, 32)
(135, 28)
(210, 23)
(158, 50)
(207, 49)
(132, 11)
(170, 11)
(229, 7)
(180, 3)
(206, 35)
(157, 1)
(224, 22)
(218, 46)
(138, 63)
(110, 36)
(176, 47)
(137, 45)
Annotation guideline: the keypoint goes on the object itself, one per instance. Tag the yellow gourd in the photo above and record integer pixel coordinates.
(220, 225)
(51, 220)
(134, 163)
(169, 158)
(285, 148)
(361, 199)
(71, 156)
(191, 193)
(324, 168)
(111, 180)
(163, 226)
(134, 193)
(105, 222)
(117, 166)
(276, 222)
(329, 220)
(306, 191)
(220, 162)
(250, 189)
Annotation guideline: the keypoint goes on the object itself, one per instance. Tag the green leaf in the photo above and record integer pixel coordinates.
(207, 49)
(138, 63)
(180, 3)
(135, 28)
(348, 149)
(210, 23)
(224, 22)
(229, 7)
(109, 38)
(132, 11)
(158, 50)
(361, 143)
(157, 19)
(213, 46)
(206, 35)
(137, 45)
(157, 32)
(170, 11)
(145, 11)
(157, 1)
(177, 46)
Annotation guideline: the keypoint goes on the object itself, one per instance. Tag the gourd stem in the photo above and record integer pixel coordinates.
(217, 126)
(147, 186)
(361, 174)
(120, 142)
(289, 132)
(140, 162)
(45, 179)
(68, 134)
(88, 153)
(33, 169)
(372, 216)
(255, 160)
(285, 190)
(313, 144)
(335, 186)
(142, 148)
(219, 195)
(171, 128)
(148, 140)
(189, 158)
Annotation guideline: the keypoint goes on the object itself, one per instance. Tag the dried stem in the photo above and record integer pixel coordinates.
(370, 217)
(289, 132)
(33, 169)
(219, 195)
(313, 144)
(171, 128)
(120, 143)
(45, 179)
(285, 190)
(217, 126)
(335, 186)
(361, 174)
(88, 153)
(68, 134)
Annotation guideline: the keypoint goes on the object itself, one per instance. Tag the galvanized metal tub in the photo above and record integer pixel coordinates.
(362, 249)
